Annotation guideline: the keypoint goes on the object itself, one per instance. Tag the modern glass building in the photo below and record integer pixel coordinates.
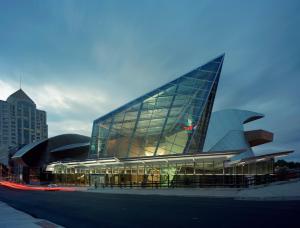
(172, 119)
(168, 137)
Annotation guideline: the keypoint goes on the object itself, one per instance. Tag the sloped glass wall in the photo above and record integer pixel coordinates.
(172, 119)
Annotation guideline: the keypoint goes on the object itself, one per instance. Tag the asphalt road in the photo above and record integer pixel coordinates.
(82, 209)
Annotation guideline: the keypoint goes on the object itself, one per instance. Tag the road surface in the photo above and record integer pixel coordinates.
(84, 209)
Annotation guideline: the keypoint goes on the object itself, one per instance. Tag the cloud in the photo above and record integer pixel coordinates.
(5, 89)
(69, 108)
(70, 126)
(65, 98)
(83, 59)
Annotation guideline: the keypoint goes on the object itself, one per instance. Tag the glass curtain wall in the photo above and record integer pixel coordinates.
(172, 173)
(172, 119)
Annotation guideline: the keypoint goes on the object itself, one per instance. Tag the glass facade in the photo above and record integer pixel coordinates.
(193, 171)
(172, 119)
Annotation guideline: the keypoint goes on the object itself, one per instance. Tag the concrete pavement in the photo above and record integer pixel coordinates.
(280, 191)
(188, 192)
(287, 190)
(86, 209)
(10, 217)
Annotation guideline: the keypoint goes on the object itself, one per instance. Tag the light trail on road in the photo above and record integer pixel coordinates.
(13, 185)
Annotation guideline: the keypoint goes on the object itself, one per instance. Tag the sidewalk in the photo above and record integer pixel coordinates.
(288, 190)
(276, 191)
(10, 217)
(189, 192)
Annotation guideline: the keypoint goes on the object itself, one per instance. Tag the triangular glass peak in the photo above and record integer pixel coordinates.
(171, 119)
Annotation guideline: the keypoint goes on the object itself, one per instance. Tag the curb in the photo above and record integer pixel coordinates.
(274, 198)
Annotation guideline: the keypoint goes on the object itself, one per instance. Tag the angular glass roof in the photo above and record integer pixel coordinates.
(171, 119)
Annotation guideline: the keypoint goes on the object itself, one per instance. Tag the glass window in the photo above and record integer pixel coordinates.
(157, 122)
(204, 75)
(177, 149)
(130, 116)
(26, 123)
(163, 102)
(212, 66)
(144, 123)
(146, 115)
(186, 90)
(118, 118)
(166, 117)
(159, 113)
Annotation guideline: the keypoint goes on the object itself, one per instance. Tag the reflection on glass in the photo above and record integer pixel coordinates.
(172, 119)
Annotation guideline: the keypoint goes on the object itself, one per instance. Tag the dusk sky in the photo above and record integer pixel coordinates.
(81, 59)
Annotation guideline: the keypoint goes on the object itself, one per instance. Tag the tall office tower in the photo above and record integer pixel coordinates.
(20, 123)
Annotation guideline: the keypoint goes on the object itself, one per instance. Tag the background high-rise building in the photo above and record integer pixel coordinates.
(20, 123)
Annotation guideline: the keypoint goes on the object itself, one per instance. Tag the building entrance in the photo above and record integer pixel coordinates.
(97, 180)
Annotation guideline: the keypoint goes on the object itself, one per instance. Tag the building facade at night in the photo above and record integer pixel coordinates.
(168, 137)
(172, 119)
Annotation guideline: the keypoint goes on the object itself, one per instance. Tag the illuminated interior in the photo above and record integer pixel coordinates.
(172, 119)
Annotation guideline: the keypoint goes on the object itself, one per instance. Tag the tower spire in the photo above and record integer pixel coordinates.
(21, 81)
